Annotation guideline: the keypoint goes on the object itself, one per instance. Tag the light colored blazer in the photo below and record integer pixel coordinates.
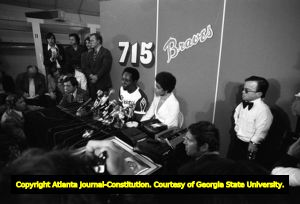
(168, 112)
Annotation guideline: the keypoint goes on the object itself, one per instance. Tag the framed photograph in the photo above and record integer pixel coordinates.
(139, 164)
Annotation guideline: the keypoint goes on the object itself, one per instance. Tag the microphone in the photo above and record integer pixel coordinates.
(106, 97)
(84, 104)
(99, 93)
(113, 102)
(80, 111)
(101, 99)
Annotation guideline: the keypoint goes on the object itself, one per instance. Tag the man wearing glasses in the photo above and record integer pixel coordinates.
(252, 119)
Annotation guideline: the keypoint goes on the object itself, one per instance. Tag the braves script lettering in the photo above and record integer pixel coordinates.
(172, 48)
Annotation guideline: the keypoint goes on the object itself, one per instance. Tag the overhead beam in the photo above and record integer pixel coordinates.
(36, 31)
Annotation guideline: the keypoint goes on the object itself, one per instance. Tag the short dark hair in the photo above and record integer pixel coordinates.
(12, 99)
(206, 132)
(166, 80)
(49, 35)
(32, 66)
(76, 36)
(97, 36)
(262, 84)
(71, 79)
(135, 75)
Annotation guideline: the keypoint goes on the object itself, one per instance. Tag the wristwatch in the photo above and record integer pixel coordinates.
(253, 143)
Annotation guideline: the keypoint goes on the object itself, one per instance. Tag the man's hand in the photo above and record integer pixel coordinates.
(93, 78)
(115, 163)
(252, 147)
(294, 149)
(25, 95)
(52, 95)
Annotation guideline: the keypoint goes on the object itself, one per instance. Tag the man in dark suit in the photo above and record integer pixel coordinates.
(53, 54)
(99, 66)
(73, 53)
(31, 85)
(72, 92)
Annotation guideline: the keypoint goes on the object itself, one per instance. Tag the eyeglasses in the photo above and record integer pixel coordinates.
(247, 90)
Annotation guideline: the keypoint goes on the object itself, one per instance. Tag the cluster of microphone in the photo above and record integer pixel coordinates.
(105, 110)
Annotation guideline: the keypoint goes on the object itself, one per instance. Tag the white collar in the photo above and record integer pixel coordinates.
(75, 93)
(258, 100)
(208, 153)
(97, 50)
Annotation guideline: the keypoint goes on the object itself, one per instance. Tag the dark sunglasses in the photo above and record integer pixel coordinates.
(247, 90)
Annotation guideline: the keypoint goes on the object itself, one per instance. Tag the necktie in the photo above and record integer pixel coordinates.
(71, 98)
(249, 104)
(95, 56)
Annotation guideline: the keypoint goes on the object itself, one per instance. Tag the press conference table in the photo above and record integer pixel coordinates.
(60, 127)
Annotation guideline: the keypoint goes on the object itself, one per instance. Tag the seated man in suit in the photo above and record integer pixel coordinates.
(72, 92)
(31, 85)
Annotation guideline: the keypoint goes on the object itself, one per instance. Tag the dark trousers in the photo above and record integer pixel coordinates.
(238, 149)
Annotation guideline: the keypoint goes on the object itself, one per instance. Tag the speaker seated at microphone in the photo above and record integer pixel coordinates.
(131, 97)
(73, 93)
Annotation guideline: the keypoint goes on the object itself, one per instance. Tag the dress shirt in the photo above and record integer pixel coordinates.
(31, 87)
(74, 95)
(168, 112)
(80, 77)
(96, 52)
(254, 124)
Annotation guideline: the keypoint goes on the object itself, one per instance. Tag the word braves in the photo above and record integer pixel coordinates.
(172, 48)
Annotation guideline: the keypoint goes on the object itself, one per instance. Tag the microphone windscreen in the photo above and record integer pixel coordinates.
(111, 91)
(99, 92)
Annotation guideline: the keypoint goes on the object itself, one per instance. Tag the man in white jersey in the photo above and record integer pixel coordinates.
(130, 95)
(252, 119)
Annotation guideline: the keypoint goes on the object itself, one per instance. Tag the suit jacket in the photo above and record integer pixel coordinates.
(47, 55)
(100, 67)
(210, 164)
(84, 62)
(8, 83)
(81, 97)
(22, 83)
(13, 124)
(73, 57)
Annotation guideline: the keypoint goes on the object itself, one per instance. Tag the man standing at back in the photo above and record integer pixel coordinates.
(252, 119)
(73, 53)
(99, 66)
(53, 54)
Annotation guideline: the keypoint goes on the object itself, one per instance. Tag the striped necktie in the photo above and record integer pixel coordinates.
(72, 98)
(95, 55)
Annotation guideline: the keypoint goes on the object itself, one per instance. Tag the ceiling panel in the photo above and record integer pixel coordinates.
(87, 7)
